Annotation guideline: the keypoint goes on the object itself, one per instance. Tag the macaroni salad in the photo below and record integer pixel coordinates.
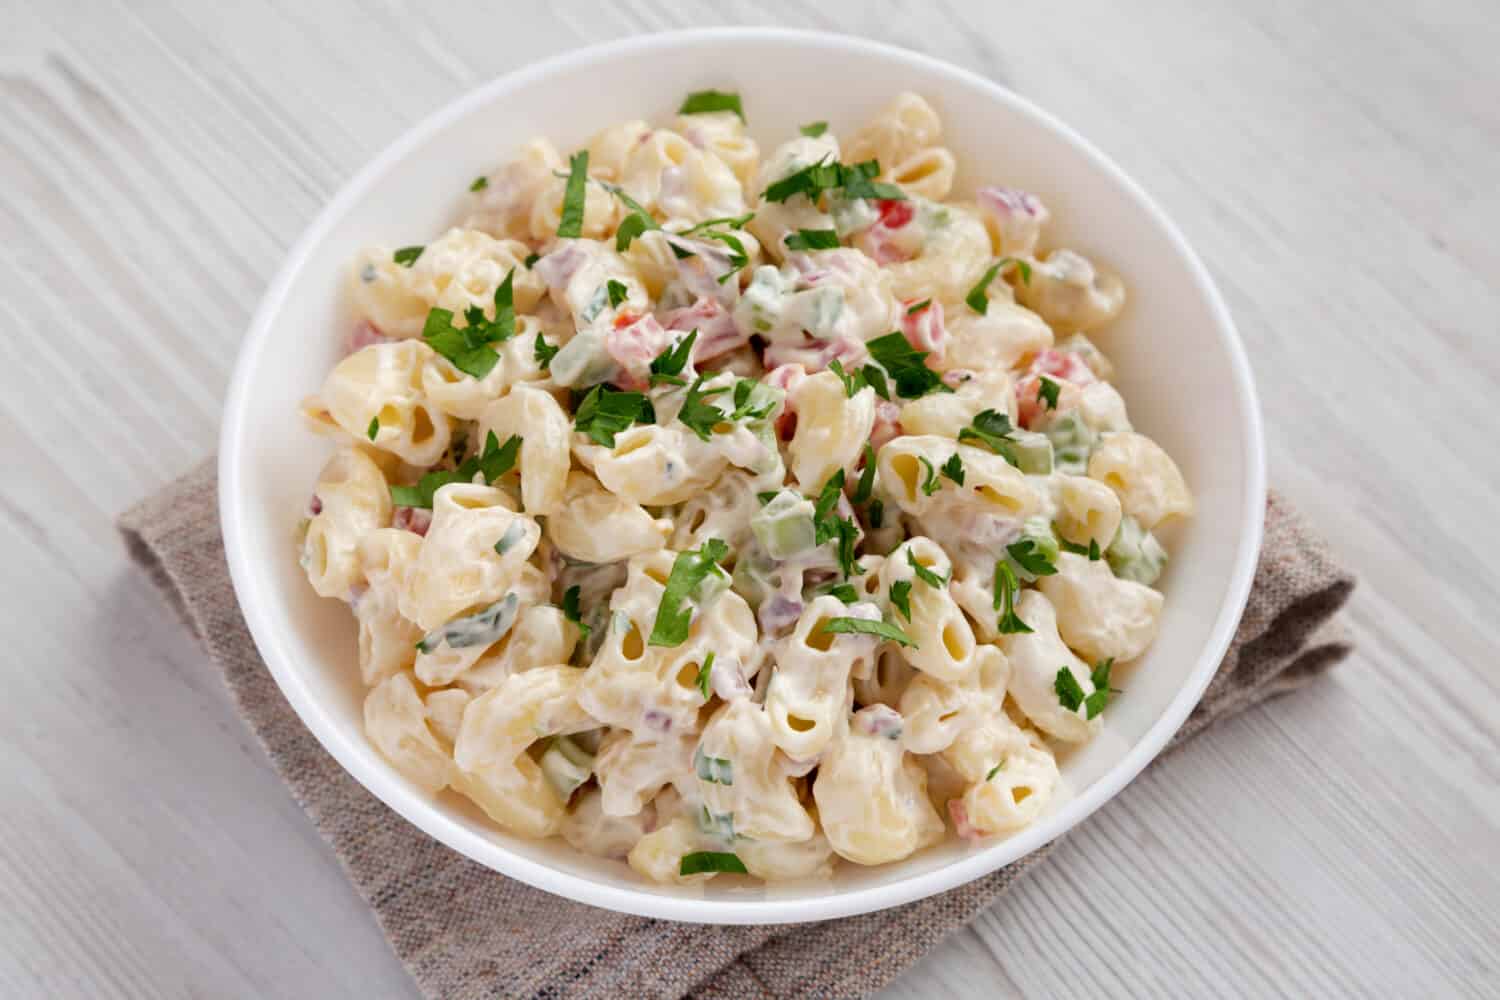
(734, 512)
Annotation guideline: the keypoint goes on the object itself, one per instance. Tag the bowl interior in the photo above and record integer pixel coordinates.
(1181, 372)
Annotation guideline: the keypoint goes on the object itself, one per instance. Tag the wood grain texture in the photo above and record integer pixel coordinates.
(1335, 164)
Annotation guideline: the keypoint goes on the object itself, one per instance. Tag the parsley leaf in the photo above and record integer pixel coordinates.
(570, 223)
(864, 626)
(498, 459)
(901, 597)
(738, 257)
(813, 239)
(866, 484)
(689, 570)
(828, 498)
(617, 292)
(480, 183)
(374, 427)
(531, 260)
(857, 181)
(1096, 702)
(877, 514)
(467, 347)
(847, 533)
(1069, 691)
(995, 770)
(930, 484)
(700, 416)
(845, 592)
(766, 497)
(629, 228)
(407, 256)
(606, 412)
(727, 221)
(992, 429)
(814, 129)
(704, 673)
(699, 862)
(954, 469)
(704, 101)
(543, 352)
(924, 574)
(747, 406)
(978, 299)
(812, 180)
(875, 379)
(573, 613)
(906, 366)
(1030, 557)
(1047, 391)
(1093, 550)
(919, 307)
(852, 383)
(1005, 592)
(667, 367)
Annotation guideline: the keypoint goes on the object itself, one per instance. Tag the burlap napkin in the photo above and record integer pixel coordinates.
(465, 931)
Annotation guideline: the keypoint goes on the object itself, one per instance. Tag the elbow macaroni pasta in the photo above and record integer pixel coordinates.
(725, 605)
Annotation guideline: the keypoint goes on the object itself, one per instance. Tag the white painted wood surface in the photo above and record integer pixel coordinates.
(1337, 165)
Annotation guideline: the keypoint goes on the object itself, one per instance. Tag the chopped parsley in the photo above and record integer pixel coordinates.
(706, 101)
(1030, 557)
(829, 527)
(746, 404)
(877, 514)
(766, 497)
(689, 570)
(407, 256)
(629, 228)
(1091, 550)
(813, 239)
(573, 613)
(992, 429)
(875, 379)
(828, 498)
(864, 626)
(852, 383)
(374, 427)
(919, 307)
(480, 183)
(705, 672)
(906, 366)
(494, 462)
(813, 179)
(866, 485)
(930, 483)
(700, 416)
(606, 412)
(570, 223)
(1005, 594)
(954, 469)
(543, 353)
(617, 292)
(699, 862)
(814, 129)
(727, 221)
(667, 367)
(1047, 391)
(995, 770)
(1099, 676)
(901, 597)
(1069, 691)
(845, 592)
(467, 347)
(498, 459)
(531, 260)
(978, 297)
(924, 574)
(738, 258)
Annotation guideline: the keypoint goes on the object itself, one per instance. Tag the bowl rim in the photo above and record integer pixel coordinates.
(417, 809)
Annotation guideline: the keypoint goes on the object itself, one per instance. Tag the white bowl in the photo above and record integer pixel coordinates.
(1182, 369)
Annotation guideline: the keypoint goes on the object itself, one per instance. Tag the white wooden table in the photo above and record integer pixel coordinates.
(1338, 167)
